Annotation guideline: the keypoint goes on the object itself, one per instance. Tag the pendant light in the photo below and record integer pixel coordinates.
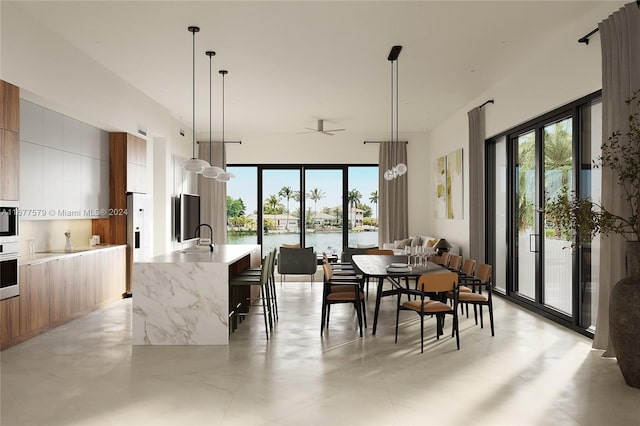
(194, 164)
(224, 176)
(210, 171)
(400, 168)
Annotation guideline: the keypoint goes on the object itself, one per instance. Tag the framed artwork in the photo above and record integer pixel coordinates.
(449, 186)
(440, 208)
(455, 185)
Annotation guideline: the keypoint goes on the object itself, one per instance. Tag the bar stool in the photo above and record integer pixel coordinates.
(261, 281)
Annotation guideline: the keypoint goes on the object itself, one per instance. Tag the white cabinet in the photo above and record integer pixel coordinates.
(53, 185)
(31, 122)
(72, 135)
(53, 129)
(31, 178)
(73, 191)
(64, 166)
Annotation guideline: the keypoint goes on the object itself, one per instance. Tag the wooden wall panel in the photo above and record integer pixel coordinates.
(9, 321)
(9, 165)
(9, 107)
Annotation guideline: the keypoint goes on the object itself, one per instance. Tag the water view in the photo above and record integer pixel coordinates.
(329, 242)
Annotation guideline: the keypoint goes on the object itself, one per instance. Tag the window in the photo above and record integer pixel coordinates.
(526, 167)
(326, 207)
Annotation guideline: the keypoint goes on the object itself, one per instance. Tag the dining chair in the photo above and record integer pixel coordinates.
(338, 268)
(467, 271)
(431, 300)
(481, 280)
(375, 251)
(442, 260)
(341, 290)
(455, 263)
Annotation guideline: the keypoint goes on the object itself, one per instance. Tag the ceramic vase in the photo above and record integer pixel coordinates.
(624, 317)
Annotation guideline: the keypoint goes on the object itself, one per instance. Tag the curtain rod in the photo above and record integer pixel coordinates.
(225, 142)
(366, 142)
(490, 101)
(585, 39)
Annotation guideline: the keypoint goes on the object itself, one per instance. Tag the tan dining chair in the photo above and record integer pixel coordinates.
(341, 290)
(381, 252)
(425, 302)
(481, 280)
(442, 260)
(455, 263)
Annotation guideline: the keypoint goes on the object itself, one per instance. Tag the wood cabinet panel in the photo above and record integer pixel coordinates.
(60, 290)
(34, 297)
(57, 291)
(9, 165)
(9, 107)
(78, 277)
(9, 321)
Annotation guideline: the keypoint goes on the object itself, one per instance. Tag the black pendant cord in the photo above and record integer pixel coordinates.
(397, 114)
(210, 54)
(391, 140)
(224, 151)
(193, 134)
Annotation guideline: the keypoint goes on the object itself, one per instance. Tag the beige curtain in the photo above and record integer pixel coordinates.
(620, 41)
(393, 210)
(476, 185)
(213, 194)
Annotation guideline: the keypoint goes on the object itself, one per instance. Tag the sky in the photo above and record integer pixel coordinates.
(244, 185)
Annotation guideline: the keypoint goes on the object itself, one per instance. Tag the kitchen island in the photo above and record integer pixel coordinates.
(182, 297)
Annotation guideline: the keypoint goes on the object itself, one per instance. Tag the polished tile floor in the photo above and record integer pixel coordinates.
(531, 373)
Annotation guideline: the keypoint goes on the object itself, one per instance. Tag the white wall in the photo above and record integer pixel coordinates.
(56, 75)
(314, 148)
(559, 71)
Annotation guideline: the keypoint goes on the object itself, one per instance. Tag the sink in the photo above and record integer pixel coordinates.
(196, 250)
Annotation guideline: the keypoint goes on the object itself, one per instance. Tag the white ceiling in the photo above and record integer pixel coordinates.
(291, 63)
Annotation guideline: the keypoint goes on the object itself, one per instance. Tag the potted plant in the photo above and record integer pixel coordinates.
(585, 218)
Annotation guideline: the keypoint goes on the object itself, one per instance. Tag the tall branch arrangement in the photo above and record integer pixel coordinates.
(586, 218)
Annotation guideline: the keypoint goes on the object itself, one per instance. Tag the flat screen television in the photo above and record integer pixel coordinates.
(189, 216)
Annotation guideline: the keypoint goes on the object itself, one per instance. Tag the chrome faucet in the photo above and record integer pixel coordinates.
(197, 232)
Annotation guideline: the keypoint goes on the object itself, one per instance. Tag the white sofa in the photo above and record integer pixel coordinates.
(420, 240)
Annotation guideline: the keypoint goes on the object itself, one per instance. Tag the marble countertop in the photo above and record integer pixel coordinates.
(47, 256)
(225, 253)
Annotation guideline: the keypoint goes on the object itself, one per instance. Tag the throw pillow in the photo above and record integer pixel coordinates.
(400, 244)
(431, 243)
(365, 246)
(417, 241)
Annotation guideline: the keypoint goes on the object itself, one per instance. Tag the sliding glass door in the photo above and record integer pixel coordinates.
(326, 207)
(527, 167)
(282, 218)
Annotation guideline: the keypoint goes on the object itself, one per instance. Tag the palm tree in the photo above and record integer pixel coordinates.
(315, 195)
(353, 197)
(287, 193)
(272, 203)
(374, 199)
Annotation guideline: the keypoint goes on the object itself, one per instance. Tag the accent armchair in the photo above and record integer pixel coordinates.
(297, 261)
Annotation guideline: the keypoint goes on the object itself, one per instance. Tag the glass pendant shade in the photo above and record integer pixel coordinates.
(212, 172)
(388, 175)
(401, 168)
(225, 177)
(195, 165)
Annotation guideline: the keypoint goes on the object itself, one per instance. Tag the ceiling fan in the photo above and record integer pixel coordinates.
(321, 129)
